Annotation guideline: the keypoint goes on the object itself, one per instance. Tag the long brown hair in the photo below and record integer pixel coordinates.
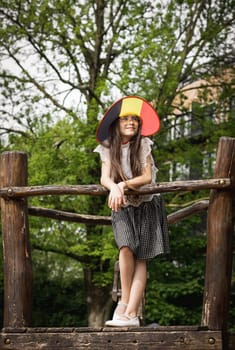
(115, 143)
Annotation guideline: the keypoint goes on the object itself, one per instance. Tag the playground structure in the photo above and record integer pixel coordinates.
(212, 333)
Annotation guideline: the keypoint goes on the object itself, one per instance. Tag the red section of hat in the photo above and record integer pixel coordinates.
(151, 121)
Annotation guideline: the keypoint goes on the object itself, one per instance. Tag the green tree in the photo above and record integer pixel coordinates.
(64, 62)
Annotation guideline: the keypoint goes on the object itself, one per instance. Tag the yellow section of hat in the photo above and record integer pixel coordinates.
(131, 106)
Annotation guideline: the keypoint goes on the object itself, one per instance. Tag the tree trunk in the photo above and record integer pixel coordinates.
(99, 302)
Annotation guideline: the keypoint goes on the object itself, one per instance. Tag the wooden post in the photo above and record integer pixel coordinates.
(219, 242)
(16, 248)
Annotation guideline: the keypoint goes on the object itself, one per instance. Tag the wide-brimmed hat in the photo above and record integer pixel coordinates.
(129, 105)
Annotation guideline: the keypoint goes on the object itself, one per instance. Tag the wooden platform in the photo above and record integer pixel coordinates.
(144, 338)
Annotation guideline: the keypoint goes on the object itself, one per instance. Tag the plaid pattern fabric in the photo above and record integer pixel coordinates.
(143, 229)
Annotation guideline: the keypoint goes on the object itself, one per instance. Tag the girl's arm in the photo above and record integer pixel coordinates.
(144, 179)
(116, 195)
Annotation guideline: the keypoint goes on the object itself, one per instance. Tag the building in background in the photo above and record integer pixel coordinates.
(197, 108)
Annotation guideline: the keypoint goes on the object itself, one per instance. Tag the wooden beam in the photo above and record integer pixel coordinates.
(68, 216)
(98, 190)
(219, 242)
(181, 214)
(162, 338)
(16, 248)
(106, 220)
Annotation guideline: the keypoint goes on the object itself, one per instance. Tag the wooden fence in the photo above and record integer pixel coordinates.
(17, 332)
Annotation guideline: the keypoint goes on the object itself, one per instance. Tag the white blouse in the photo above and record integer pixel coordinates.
(145, 151)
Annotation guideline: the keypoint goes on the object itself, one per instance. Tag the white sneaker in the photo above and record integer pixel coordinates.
(119, 316)
(129, 322)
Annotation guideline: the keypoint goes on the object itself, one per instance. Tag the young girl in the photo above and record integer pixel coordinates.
(139, 221)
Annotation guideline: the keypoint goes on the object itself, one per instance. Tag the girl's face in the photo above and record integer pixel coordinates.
(129, 126)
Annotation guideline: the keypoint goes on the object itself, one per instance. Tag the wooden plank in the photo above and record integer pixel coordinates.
(110, 338)
(16, 246)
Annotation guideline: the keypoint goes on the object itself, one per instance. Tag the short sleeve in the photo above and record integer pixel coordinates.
(146, 149)
(103, 152)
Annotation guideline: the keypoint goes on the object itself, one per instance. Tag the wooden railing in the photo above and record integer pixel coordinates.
(16, 246)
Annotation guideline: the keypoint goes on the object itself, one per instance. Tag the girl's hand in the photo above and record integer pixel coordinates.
(116, 196)
(122, 186)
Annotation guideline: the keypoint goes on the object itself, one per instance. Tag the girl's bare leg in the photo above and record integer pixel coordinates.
(133, 275)
(127, 269)
(137, 288)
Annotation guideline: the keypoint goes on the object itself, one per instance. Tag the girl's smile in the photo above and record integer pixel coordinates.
(128, 127)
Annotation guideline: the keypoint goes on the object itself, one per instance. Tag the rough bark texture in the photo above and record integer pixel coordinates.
(16, 247)
(98, 190)
(219, 242)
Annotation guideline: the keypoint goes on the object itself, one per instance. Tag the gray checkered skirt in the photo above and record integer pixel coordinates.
(143, 229)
